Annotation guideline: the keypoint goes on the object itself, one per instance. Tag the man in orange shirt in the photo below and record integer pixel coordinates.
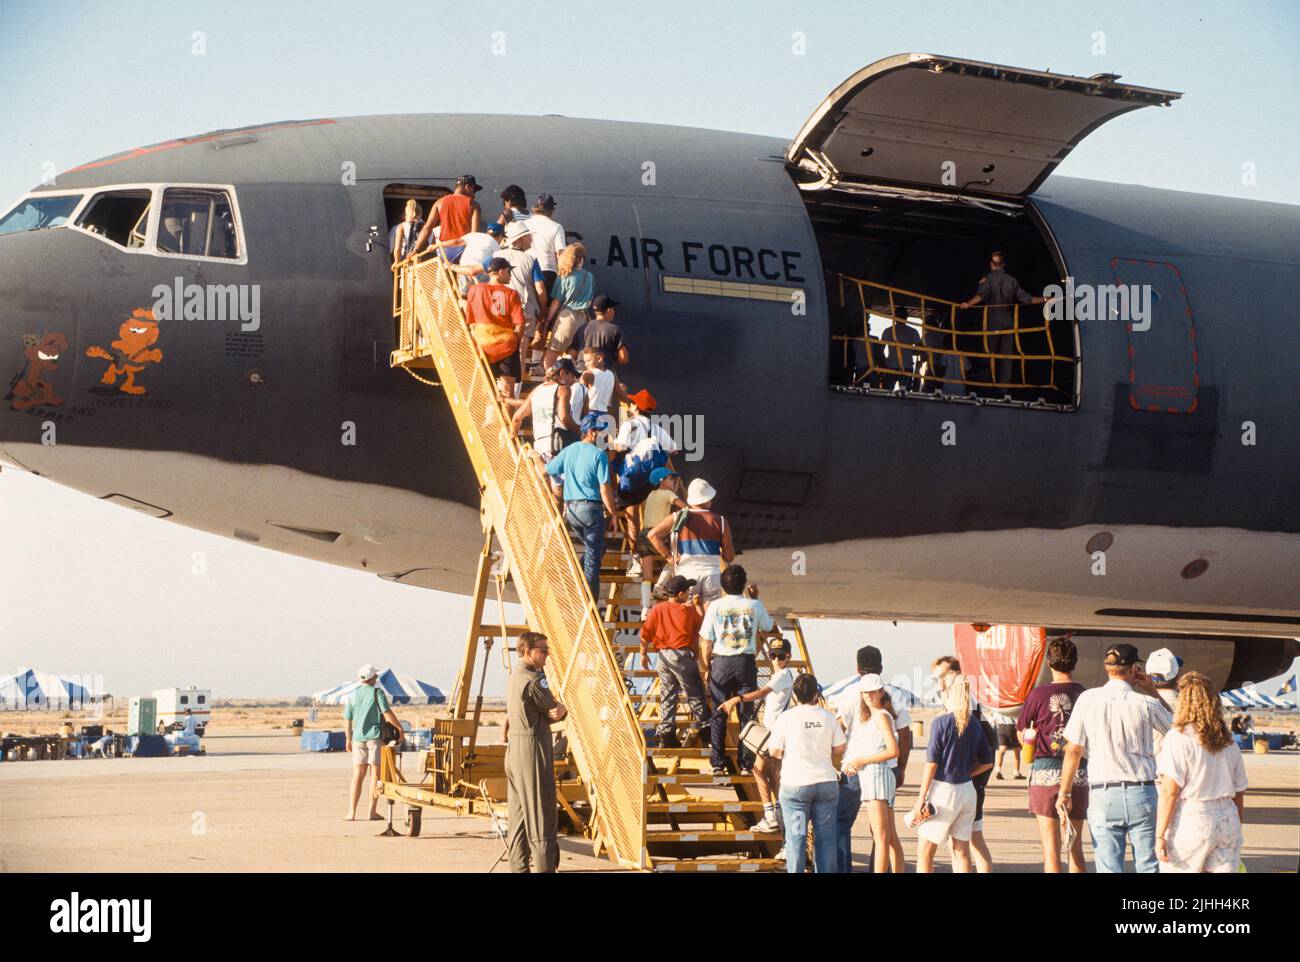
(496, 316)
(673, 627)
(456, 213)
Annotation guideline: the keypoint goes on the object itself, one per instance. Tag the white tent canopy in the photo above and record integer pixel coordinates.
(28, 688)
(401, 688)
(1250, 698)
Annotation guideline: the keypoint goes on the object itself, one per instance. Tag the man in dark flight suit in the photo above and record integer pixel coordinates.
(530, 760)
(999, 290)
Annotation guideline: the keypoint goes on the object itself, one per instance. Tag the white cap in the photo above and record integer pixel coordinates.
(700, 492)
(515, 230)
(366, 672)
(870, 683)
(1163, 665)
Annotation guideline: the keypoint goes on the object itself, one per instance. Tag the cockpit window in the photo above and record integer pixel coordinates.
(197, 222)
(37, 213)
(119, 216)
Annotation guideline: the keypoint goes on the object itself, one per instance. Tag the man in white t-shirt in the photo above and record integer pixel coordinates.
(775, 696)
(548, 237)
(480, 248)
(809, 743)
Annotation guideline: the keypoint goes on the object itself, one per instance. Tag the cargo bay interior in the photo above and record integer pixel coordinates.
(940, 250)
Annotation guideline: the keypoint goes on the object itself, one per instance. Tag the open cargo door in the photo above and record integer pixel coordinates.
(940, 124)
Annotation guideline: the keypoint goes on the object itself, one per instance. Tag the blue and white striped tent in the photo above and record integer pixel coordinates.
(900, 696)
(402, 689)
(1250, 698)
(29, 688)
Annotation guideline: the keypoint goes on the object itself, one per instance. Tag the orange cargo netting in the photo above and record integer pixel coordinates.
(933, 321)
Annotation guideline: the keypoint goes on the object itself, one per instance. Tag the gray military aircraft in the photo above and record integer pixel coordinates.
(200, 329)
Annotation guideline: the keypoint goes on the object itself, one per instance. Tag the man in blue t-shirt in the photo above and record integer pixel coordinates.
(588, 493)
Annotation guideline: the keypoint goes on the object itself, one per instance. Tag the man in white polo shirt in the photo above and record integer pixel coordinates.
(1116, 725)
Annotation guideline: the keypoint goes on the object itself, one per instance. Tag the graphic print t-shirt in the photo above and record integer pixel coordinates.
(1048, 708)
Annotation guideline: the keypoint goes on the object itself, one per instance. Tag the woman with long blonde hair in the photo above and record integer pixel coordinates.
(405, 233)
(1202, 785)
(945, 804)
(569, 305)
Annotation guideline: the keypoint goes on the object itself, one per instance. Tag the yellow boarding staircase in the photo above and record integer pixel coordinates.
(656, 809)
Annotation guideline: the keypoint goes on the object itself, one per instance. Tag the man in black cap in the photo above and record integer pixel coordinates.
(603, 334)
(673, 627)
(548, 238)
(1116, 725)
(457, 214)
(999, 290)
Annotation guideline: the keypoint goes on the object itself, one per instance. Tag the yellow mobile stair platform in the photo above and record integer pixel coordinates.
(647, 809)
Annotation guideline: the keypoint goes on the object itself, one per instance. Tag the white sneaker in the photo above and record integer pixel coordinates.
(780, 856)
(768, 824)
(634, 569)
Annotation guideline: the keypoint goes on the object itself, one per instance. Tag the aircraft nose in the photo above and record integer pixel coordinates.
(41, 298)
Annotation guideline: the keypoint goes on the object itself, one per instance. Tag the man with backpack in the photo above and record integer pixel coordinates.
(363, 717)
(700, 541)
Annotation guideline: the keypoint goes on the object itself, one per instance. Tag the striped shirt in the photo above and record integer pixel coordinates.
(700, 538)
(1116, 726)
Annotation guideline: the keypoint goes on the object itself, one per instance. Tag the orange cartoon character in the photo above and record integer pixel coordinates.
(132, 352)
(29, 387)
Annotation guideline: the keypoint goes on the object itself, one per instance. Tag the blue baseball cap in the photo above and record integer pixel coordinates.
(658, 474)
(495, 228)
(594, 421)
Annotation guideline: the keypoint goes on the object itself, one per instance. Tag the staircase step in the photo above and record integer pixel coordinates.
(720, 865)
(701, 778)
(704, 806)
(654, 836)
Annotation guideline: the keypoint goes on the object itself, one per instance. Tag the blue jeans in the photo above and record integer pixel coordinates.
(1118, 813)
(587, 519)
(846, 813)
(809, 805)
(731, 675)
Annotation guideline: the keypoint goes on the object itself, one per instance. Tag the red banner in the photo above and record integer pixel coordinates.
(1002, 661)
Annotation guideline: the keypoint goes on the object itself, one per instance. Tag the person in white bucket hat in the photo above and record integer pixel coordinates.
(696, 540)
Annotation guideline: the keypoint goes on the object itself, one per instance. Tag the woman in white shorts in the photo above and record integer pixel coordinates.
(1202, 785)
(957, 750)
(872, 759)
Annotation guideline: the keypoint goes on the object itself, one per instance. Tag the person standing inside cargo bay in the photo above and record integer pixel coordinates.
(530, 759)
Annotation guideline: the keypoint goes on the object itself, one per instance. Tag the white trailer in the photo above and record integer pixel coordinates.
(172, 703)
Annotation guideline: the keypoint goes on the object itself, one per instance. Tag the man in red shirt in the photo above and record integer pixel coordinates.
(673, 627)
(456, 213)
(496, 318)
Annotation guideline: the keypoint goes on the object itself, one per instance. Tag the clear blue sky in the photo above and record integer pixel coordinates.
(82, 80)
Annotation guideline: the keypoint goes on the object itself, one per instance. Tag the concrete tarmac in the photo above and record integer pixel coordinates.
(256, 803)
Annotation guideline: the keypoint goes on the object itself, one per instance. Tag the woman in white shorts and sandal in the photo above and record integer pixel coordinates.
(957, 751)
(872, 759)
(1202, 785)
